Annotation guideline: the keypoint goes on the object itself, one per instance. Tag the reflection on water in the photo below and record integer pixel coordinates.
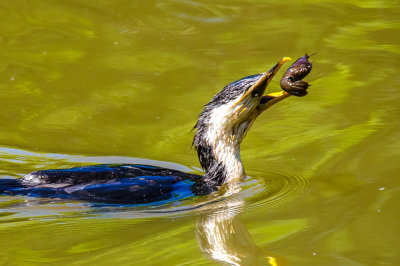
(224, 238)
(111, 80)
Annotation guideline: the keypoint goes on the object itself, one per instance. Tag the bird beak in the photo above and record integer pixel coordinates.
(258, 89)
(269, 99)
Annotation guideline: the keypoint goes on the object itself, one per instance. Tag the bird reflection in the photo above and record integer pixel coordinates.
(224, 238)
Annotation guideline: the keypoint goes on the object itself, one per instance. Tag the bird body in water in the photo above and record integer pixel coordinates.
(220, 129)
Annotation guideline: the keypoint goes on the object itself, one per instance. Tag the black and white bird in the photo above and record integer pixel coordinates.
(220, 129)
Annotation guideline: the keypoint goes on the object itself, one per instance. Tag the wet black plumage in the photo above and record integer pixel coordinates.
(107, 183)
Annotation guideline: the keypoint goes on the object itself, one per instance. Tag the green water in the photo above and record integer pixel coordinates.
(123, 81)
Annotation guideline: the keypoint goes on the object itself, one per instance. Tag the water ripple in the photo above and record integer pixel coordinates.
(279, 187)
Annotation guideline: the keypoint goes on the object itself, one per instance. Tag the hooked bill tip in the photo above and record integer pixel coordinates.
(285, 59)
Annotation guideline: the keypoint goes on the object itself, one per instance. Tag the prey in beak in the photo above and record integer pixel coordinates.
(291, 83)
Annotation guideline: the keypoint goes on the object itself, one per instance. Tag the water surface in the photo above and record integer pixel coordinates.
(123, 81)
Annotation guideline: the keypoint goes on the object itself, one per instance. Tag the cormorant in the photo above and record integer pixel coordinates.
(220, 129)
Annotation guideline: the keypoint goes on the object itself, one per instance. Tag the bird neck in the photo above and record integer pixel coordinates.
(217, 141)
(221, 161)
